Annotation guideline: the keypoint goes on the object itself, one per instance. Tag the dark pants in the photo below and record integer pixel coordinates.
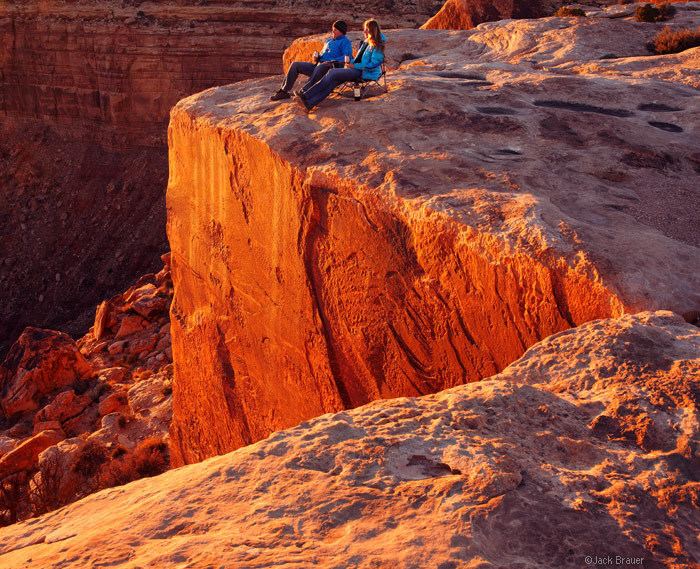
(320, 90)
(313, 71)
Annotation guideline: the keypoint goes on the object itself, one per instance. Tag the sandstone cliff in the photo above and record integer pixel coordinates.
(85, 92)
(511, 184)
(587, 446)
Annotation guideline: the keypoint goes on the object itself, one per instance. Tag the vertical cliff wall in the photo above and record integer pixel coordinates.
(412, 241)
(85, 91)
(301, 293)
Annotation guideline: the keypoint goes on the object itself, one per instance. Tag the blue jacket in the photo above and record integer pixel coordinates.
(370, 60)
(336, 49)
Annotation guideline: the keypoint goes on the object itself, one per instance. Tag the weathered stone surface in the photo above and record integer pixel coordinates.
(506, 472)
(38, 363)
(65, 406)
(426, 237)
(25, 456)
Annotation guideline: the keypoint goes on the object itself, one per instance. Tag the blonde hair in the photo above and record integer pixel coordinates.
(375, 33)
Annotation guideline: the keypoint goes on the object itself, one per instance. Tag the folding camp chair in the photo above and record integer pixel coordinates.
(348, 88)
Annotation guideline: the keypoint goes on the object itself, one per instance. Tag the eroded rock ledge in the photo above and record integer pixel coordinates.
(585, 446)
(510, 185)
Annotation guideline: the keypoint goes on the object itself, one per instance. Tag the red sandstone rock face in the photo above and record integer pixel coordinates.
(467, 14)
(423, 238)
(40, 362)
(25, 456)
(85, 92)
(512, 471)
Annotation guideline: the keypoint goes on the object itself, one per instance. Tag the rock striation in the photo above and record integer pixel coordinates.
(586, 446)
(426, 237)
(85, 92)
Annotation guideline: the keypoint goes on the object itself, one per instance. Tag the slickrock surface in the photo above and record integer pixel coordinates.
(85, 92)
(110, 391)
(511, 184)
(587, 446)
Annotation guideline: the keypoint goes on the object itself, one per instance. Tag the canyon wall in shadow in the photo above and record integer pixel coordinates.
(85, 92)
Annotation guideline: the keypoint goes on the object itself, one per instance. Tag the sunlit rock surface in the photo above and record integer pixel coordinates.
(586, 446)
(517, 180)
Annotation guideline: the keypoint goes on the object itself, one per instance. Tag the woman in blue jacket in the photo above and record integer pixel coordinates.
(367, 65)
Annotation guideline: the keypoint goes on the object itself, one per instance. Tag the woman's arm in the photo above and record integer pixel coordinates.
(376, 58)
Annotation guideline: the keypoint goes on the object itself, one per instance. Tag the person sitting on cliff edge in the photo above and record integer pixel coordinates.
(336, 47)
(367, 66)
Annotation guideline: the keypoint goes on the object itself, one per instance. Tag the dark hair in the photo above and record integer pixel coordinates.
(341, 26)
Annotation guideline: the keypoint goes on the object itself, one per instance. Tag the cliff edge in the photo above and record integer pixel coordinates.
(517, 179)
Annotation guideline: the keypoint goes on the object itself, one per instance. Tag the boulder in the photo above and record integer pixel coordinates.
(64, 407)
(40, 362)
(104, 319)
(24, 457)
(131, 324)
(112, 403)
(467, 14)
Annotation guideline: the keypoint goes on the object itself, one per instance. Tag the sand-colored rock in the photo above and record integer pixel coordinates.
(40, 362)
(507, 472)
(427, 237)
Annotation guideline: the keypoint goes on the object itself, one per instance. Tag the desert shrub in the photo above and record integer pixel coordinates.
(566, 11)
(51, 487)
(674, 41)
(90, 460)
(150, 458)
(649, 13)
(14, 498)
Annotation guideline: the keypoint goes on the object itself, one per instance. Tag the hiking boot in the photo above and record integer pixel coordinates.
(281, 94)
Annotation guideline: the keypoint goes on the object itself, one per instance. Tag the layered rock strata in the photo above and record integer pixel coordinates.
(85, 92)
(425, 237)
(587, 446)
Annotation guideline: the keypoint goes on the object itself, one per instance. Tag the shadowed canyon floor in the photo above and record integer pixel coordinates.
(585, 446)
(517, 179)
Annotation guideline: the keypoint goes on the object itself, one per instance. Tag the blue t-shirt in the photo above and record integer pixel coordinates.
(335, 49)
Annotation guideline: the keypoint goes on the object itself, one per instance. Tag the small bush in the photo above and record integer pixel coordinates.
(568, 11)
(91, 458)
(649, 13)
(150, 458)
(675, 41)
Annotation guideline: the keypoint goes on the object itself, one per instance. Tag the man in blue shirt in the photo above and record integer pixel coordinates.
(333, 54)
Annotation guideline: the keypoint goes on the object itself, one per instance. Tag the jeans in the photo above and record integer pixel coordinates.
(318, 74)
(319, 91)
(303, 67)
